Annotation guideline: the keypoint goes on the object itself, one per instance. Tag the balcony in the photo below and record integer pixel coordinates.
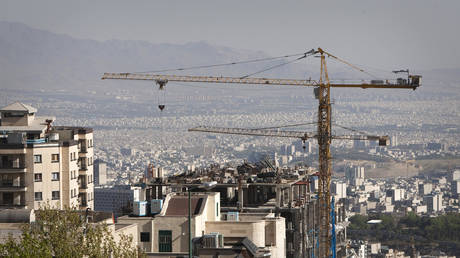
(13, 163)
(9, 186)
(82, 200)
(12, 170)
(10, 205)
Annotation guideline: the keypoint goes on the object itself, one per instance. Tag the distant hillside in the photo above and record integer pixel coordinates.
(37, 59)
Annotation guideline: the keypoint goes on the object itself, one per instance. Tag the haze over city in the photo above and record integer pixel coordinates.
(53, 55)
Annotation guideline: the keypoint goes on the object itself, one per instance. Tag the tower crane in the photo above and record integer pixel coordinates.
(323, 135)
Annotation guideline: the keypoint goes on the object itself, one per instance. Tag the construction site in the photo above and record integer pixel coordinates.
(315, 223)
(260, 188)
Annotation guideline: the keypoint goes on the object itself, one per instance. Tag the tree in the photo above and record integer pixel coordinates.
(359, 222)
(66, 233)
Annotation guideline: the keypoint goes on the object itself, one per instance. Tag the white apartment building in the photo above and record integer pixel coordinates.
(355, 175)
(339, 189)
(42, 164)
(434, 202)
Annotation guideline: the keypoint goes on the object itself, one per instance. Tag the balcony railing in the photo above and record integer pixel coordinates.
(6, 205)
(10, 187)
(10, 169)
(83, 203)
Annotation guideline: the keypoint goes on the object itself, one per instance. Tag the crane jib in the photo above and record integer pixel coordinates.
(265, 81)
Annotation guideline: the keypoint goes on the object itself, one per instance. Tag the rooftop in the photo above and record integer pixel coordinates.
(39, 124)
(20, 107)
(178, 205)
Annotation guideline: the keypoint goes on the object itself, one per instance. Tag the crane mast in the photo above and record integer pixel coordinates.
(324, 153)
(323, 135)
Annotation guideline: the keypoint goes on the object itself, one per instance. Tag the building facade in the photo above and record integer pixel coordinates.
(100, 172)
(117, 199)
(42, 164)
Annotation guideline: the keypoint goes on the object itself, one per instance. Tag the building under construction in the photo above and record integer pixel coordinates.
(261, 188)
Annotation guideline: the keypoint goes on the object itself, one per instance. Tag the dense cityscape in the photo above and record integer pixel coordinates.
(195, 129)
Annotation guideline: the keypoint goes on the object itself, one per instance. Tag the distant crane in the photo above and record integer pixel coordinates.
(322, 93)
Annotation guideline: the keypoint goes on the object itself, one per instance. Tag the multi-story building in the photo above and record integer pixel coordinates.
(117, 199)
(455, 175)
(339, 189)
(425, 189)
(434, 202)
(455, 186)
(355, 175)
(42, 164)
(100, 172)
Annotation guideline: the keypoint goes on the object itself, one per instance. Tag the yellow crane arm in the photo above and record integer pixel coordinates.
(288, 134)
(266, 81)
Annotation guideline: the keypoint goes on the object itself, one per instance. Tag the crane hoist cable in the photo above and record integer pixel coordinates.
(349, 64)
(351, 129)
(225, 64)
(279, 65)
(285, 126)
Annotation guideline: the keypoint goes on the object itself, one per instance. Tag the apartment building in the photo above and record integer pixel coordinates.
(43, 164)
(214, 233)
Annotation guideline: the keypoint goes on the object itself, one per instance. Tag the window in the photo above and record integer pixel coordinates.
(37, 158)
(55, 176)
(38, 177)
(145, 236)
(14, 114)
(165, 240)
(55, 195)
(38, 196)
(54, 157)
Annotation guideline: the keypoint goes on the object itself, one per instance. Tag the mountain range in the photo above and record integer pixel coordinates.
(38, 60)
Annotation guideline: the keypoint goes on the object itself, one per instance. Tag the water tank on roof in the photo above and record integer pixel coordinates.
(54, 137)
(140, 208)
(155, 206)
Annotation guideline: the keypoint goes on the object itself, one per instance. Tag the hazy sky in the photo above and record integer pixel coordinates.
(387, 34)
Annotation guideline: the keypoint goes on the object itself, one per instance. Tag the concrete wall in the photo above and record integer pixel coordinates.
(17, 121)
(69, 176)
(211, 207)
(144, 224)
(255, 231)
(88, 156)
(46, 168)
(179, 229)
(128, 230)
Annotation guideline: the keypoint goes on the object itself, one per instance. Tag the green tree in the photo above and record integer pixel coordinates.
(359, 222)
(66, 233)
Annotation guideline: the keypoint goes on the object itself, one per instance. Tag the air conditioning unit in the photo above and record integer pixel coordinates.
(232, 216)
(213, 240)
